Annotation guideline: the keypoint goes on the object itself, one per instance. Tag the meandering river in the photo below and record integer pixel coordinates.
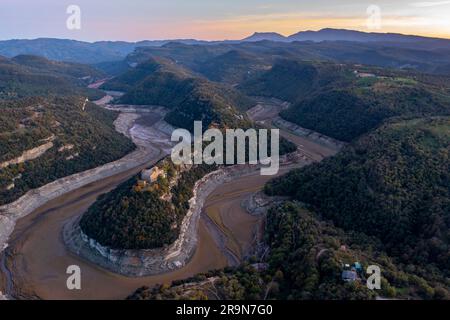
(34, 265)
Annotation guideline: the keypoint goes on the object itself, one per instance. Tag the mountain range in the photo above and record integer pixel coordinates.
(27, 75)
(383, 199)
(102, 51)
(329, 34)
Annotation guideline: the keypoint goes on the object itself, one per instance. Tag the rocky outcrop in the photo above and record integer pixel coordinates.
(147, 262)
(312, 135)
(30, 154)
(138, 263)
(66, 147)
(7, 224)
(258, 203)
(2, 296)
(34, 199)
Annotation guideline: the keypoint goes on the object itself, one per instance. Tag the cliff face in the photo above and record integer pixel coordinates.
(33, 199)
(137, 263)
(145, 262)
(41, 137)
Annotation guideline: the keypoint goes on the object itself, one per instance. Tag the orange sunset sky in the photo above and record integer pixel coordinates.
(134, 20)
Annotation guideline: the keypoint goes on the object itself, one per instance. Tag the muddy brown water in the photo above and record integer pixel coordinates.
(35, 263)
(38, 259)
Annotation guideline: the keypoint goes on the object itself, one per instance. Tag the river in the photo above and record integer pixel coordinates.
(34, 265)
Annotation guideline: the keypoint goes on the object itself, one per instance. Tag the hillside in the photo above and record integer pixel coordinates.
(393, 184)
(347, 109)
(67, 50)
(382, 49)
(78, 51)
(70, 69)
(134, 76)
(140, 215)
(25, 76)
(162, 82)
(57, 138)
(232, 67)
(292, 80)
(419, 56)
(306, 259)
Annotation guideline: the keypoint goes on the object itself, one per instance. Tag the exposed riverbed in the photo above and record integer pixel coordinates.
(35, 263)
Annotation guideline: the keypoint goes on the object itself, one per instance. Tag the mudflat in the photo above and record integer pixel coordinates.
(38, 259)
(35, 263)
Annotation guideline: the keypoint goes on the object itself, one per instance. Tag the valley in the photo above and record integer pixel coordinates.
(86, 176)
(34, 266)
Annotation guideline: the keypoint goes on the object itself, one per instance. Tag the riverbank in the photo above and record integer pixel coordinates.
(33, 199)
(37, 259)
(306, 133)
(138, 263)
(127, 124)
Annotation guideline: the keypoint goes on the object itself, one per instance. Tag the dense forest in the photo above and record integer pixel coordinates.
(137, 215)
(81, 140)
(383, 200)
(30, 76)
(160, 81)
(393, 184)
(350, 109)
(142, 215)
(305, 261)
(293, 80)
(63, 69)
(232, 67)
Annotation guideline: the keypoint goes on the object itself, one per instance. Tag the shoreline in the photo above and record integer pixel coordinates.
(33, 199)
(146, 262)
(38, 256)
(149, 262)
(314, 136)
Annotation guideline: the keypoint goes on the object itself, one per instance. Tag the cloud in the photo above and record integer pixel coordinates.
(429, 4)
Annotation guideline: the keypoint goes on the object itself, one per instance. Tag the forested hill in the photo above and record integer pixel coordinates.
(306, 258)
(71, 140)
(393, 184)
(141, 215)
(341, 100)
(160, 81)
(25, 76)
(263, 53)
(153, 65)
(365, 98)
(233, 67)
(383, 201)
(293, 80)
(68, 69)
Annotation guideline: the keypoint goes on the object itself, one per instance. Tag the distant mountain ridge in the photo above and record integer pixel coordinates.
(330, 34)
(161, 81)
(261, 36)
(79, 51)
(106, 51)
(27, 75)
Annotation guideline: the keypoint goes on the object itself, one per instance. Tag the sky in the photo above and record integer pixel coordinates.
(134, 20)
